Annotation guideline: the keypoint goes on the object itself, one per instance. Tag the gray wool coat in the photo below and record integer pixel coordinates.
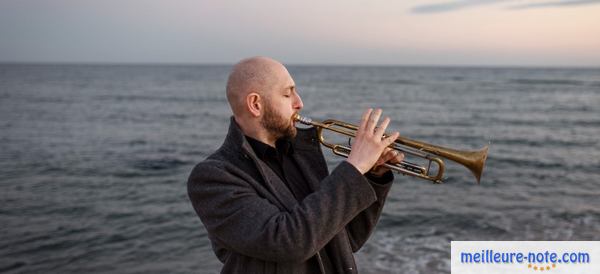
(256, 225)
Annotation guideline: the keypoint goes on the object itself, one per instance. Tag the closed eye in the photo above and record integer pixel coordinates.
(289, 91)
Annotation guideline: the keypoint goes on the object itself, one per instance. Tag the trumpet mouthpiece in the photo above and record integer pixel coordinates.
(305, 120)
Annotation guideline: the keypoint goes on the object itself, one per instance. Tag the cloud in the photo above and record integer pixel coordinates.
(452, 6)
(462, 4)
(554, 4)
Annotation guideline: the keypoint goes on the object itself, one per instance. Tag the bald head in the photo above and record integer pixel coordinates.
(256, 74)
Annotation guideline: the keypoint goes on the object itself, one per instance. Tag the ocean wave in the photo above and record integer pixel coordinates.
(412, 223)
(547, 122)
(157, 164)
(544, 142)
(12, 266)
(397, 82)
(162, 99)
(537, 82)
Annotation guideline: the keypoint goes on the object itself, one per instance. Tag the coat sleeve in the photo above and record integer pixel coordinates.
(360, 228)
(239, 219)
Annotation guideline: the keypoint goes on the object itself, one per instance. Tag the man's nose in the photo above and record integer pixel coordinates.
(298, 103)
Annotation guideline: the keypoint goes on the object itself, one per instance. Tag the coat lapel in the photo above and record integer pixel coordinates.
(307, 155)
(272, 182)
(237, 143)
(307, 169)
(309, 158)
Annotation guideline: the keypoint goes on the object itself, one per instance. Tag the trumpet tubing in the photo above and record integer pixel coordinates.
(472, 160)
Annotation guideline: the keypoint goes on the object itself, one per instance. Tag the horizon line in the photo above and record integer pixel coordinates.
(97, 63)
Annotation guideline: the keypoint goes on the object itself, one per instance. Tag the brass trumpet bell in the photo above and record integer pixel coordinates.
(472, 160)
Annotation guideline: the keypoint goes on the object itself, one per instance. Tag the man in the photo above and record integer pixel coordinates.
(265, 196)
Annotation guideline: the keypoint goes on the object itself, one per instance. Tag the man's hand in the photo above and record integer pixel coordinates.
(389, 156)
(369, 143)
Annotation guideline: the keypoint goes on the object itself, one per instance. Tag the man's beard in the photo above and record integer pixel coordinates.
(276, 125)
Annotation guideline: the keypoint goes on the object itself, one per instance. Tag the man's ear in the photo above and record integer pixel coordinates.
(254, 104)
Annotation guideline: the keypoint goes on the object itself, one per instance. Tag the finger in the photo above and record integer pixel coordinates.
(398, 157)
(373, 119)
(364, 119)
(376, 169)
(381, 128)
(390, 139)
(385, 156)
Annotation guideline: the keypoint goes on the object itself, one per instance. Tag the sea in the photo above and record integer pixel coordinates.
(94, 160)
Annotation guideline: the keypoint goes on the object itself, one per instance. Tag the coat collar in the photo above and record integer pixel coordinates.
(263, 151)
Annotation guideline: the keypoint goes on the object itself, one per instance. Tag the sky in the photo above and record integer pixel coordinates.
(375, 32)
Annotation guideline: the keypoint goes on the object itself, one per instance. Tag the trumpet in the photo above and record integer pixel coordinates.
(431, 154)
